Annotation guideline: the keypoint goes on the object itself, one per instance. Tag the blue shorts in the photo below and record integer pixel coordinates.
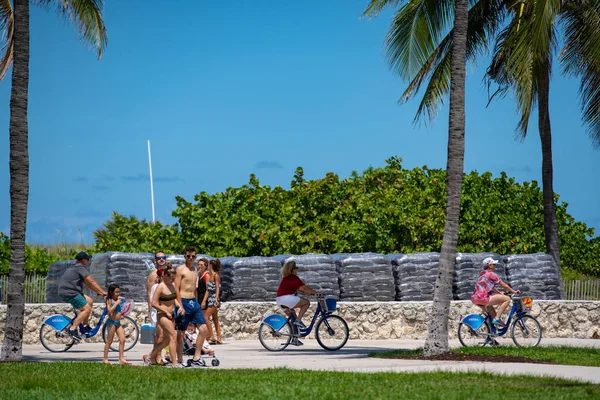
(193, 314)
(77, 302)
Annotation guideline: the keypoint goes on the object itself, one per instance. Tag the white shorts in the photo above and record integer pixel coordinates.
(289, 300)
(153, 318)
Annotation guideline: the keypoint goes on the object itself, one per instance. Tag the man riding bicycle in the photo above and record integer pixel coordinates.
(70, 289)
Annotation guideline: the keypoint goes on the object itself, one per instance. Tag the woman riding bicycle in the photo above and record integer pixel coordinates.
(288, 287)
(484, 288)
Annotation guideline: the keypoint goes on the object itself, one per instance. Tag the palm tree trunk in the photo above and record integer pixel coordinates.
(550, 223)
(19, 185)
(437, 337)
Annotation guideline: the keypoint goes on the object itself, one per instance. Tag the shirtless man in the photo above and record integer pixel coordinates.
(185, 286)
(160, 261)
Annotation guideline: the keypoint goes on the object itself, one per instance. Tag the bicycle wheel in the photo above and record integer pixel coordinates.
(526, 331)
(470, 337)
(132, 333)
(273, 340)
(56, 341)
(332, 332)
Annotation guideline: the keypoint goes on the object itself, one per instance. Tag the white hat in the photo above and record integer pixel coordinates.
(489, 261)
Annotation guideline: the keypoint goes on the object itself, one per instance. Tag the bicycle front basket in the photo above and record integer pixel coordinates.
(330, 304)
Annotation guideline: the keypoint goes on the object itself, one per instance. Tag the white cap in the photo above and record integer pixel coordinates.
(489, 261)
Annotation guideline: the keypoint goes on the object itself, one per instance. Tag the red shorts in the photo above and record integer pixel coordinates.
(480, 302)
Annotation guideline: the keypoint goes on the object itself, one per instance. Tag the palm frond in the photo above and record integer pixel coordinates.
(417, 28)
(87, 15)
(7, 29)
(485, 16)
(376, 6)
(581, 57)
(523, 54)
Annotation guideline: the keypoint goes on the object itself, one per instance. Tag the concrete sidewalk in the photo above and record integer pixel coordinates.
(353, 357)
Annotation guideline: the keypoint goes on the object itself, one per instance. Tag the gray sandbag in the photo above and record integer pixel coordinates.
(317, 271)
(467, 268)
(535, 275)
(365, 277)
(415, 275)
(250, 278)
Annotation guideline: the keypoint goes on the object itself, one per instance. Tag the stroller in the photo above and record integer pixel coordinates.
(189, 349)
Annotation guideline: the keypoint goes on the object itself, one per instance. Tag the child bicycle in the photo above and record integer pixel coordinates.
(55, 336)
(478, 330)
(276, 332)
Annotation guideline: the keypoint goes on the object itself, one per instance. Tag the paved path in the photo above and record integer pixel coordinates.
(353, 357)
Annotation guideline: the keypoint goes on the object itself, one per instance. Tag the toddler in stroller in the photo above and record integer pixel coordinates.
(189, 345)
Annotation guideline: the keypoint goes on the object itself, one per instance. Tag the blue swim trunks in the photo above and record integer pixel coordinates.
(77, 302)
(193, 314)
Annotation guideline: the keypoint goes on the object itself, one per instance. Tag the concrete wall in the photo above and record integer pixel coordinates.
(367, 320)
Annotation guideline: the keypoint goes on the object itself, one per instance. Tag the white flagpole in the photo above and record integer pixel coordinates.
(151, 183)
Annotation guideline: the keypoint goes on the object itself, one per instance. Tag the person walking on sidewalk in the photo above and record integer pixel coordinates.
(70, 289)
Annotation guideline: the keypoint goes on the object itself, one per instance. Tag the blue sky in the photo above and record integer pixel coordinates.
(226, 89)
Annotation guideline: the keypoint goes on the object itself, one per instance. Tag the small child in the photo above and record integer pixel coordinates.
(190, 341)
(113, 323)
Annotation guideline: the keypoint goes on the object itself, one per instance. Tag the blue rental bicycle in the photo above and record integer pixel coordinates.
(478, 330)
(276, 332)
(55, 337)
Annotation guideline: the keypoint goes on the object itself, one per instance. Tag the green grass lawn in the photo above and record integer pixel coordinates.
(63, 380)
(585, 356)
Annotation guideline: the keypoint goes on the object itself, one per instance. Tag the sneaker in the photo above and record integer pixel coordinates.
(299, 324)
(296, 342)
(146, 359)
(498, 322)
(178, 365)
(196, 363)
(86, 329)
(75, 335)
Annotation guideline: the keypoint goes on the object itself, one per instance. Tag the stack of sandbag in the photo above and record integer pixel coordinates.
(128, 270)
(415, 275)
(365, 277)
(252, 278)
(467, 268)
(534, 275)
(226, 276)
(317, 271)
(55, 272)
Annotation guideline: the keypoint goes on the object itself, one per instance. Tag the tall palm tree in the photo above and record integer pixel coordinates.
(430, 39)
(14, 22)
(522, 64)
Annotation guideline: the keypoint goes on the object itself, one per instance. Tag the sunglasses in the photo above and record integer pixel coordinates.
(190, 256)
(161, 257)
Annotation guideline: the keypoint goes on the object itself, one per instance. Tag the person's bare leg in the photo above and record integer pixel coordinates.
(156, 350)
(90, 301)
(202, 332)
(158, 339)
(83, 315)
(217, 325)
(492, 311)
(303, 305)
(179, 347)
(109, 339)
(206, 313)
(121, 334)
(501, 299)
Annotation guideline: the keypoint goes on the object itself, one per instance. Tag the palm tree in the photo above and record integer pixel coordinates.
(14, 22)
(522, 64)
(429, 38)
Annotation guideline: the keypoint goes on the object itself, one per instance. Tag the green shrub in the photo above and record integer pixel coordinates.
(385, 210)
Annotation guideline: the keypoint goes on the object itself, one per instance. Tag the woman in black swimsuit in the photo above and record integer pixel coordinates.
(163, 301)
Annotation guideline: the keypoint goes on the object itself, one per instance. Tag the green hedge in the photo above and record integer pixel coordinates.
(384, 210)
(37, 260)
